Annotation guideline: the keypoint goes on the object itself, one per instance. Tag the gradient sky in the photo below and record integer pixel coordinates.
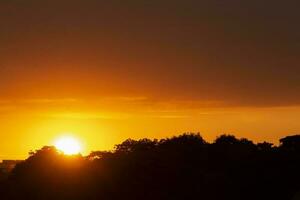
(104, 71)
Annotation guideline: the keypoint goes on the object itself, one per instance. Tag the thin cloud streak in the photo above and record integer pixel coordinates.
(49, 101)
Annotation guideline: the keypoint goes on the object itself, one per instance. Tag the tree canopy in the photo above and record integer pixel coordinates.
(181, 167)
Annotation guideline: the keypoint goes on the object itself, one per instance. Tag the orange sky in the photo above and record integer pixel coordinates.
(106, 71)
(33, 123)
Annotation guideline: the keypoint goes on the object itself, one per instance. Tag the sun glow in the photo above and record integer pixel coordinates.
(68, 145)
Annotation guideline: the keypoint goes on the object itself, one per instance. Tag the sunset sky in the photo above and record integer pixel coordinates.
(104, 71)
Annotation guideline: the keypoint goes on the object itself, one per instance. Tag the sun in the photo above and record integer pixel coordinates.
(68, 145)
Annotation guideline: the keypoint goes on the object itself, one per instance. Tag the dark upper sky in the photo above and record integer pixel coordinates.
(236, 52)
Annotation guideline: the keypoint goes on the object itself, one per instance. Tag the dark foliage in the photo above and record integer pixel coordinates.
(183, 167)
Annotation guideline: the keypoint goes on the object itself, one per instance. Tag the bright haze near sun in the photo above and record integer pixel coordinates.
(68, 145)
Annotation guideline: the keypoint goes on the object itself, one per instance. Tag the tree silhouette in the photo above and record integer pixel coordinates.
(181, 167)
(291, 143)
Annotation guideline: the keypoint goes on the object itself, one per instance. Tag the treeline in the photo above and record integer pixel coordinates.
(185, 167)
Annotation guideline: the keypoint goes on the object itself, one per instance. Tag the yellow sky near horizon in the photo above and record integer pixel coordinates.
(33, 123)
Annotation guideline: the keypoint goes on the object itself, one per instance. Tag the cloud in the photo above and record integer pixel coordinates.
(241, 53)
(86, 115)
(126, 98)
(48, 100)
(173, 116)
